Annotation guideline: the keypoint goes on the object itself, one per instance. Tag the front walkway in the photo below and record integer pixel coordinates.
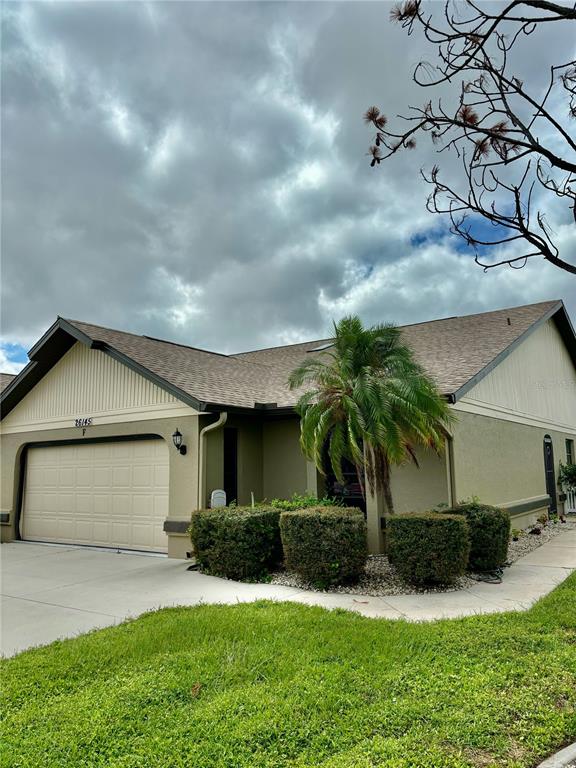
(50, 592)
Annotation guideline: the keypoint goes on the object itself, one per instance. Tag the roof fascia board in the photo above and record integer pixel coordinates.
(43, 339)
(455, 396)
(78, 334)
(64, 325)
(567, 332)
(283, 410)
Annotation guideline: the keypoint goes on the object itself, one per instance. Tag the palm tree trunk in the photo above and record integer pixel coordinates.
(360, 476)
(386, 488)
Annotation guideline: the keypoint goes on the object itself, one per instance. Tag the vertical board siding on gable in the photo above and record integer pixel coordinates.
(87, 382)
(538, 379)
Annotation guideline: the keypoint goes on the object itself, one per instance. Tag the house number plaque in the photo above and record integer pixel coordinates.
(83, 422)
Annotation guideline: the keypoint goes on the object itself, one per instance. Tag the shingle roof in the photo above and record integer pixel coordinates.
(5, 379)
(453, 351)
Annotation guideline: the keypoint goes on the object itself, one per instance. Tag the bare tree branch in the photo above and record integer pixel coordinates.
(510, 141)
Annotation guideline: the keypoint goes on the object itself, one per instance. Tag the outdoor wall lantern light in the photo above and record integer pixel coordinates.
(177, 439)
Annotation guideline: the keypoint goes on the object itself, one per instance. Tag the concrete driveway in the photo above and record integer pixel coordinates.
(51, 592)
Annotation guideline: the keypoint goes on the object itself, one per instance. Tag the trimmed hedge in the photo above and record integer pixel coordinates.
(325, 545)
(241, 543)
(428, 548)
(297, 501)
(489, 534)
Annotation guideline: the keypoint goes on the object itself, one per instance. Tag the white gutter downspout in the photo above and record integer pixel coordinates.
(201, 474)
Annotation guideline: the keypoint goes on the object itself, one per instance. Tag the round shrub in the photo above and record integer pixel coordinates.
(489, 534)
(241, 543)
(325, 545)
(428, 548)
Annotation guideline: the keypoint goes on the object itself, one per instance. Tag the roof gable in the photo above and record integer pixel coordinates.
(536, 381)
(89, 383)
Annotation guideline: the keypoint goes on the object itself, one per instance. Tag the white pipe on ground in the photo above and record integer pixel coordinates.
(201, 478)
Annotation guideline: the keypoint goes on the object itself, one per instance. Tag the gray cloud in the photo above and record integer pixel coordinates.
(197, 171)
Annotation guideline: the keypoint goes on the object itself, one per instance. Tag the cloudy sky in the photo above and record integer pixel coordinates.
(198, 172)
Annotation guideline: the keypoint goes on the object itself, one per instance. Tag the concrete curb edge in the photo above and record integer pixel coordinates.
(560, 759)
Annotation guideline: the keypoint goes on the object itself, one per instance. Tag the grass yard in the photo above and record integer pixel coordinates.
(285, 685)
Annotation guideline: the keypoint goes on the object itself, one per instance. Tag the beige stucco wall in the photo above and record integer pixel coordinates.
(285, 467)
(270, 462)
(249, 457)
(502, 462)
(249, 460)
(214, 459)
(419, 488)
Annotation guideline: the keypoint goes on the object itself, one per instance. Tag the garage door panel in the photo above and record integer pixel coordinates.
(142, 532)
(101, 505)
(84, 529)
(143, 478)
(49, 477)
(120, 531)
(160, 476)
(67, 477)
(161, 506)
(46, 526)
(122, 477)
(50, 501)
(124, 450)
(84, 503)
(142, 452)
(143, 506)
(101, 530)
(102, 477)
(82, 477)
(106, 494)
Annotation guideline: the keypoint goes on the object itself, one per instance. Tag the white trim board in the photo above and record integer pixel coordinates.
(160, 411)
(505, 414)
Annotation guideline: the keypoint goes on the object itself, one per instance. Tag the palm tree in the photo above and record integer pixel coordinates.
(367, 400)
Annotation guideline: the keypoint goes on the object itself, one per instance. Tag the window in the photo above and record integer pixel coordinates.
(569, 451)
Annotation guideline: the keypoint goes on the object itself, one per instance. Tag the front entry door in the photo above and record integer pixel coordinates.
(550, 473)
(348, 493)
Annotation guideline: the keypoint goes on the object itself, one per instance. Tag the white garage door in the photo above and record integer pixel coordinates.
(103, 494)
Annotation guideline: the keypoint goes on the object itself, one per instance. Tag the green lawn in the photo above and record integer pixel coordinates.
(285, 685)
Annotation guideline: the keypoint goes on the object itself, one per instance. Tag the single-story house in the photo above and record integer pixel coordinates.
(91, 428)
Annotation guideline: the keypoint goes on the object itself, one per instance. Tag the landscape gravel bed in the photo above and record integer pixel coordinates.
(380, 578)
(527, 542)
